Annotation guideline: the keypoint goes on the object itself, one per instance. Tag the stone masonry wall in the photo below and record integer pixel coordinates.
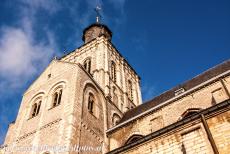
(102, 53)
(164, 116)
(220, 128)
(51, 126)
(190, 139)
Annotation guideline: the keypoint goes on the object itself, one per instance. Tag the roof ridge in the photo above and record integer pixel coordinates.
(169, 94)
(198, 75)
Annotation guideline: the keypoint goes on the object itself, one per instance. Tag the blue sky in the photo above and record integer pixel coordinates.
(167, 42)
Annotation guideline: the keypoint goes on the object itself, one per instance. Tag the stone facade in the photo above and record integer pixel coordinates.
(208, 94)
(91, 97)
(187, 136)
(63, 115)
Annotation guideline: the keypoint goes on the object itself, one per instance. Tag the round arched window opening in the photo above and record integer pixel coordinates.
(57, 97)
(190, 112)
(87, 65)
(134, 138)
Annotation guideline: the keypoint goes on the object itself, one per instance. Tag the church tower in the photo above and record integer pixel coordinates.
(77, 97)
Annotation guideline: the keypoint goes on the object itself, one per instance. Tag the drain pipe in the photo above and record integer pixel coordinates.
(225, 87)
(209, 134)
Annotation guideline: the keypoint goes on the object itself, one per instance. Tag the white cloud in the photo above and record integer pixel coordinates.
(22, 56)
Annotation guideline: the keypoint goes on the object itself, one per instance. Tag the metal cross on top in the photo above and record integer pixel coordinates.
(98, 17)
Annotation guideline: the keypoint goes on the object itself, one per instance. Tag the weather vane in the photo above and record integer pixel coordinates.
(98, 17)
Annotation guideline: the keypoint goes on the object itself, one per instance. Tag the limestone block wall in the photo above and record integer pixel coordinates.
(94, 50)
(1, 150)
(171, 113)
(89, 127)
(188, 137)
(10, 133)
(102, 53)
(125, 73)
(201, 98)
(220, 129)
(52, 126)
(112, 111)
(193, 141)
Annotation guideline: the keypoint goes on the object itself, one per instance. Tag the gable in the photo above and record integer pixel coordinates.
(52, 71)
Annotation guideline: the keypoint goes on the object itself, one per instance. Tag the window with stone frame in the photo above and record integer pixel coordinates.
(57, 97)
(91, 103)
(130, 90)
(134, 138)
(190, 112)
(87, 65)
(156, 123)
(113, 71)
(217, 96)
(35, 108)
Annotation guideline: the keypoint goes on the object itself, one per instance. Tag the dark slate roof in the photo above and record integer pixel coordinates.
(221, 68)
(96, 25)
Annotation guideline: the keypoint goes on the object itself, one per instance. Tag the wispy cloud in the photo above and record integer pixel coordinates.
(24, 53)
(22, 56)
(21, 53)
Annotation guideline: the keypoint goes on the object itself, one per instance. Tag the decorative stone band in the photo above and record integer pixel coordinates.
(43, 127)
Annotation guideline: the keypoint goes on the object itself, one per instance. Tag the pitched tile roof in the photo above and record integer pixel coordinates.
(213, 72)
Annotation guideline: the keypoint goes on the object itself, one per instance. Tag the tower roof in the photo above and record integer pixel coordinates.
(95, 30)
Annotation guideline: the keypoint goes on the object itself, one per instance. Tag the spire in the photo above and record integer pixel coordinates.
(97, 29)
(98, 17)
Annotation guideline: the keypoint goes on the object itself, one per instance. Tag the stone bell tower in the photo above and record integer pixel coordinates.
(77, 97)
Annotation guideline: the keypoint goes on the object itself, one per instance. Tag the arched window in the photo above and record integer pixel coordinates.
(130, 90)
(190, 112)
(87, 65)
(57, 97)
(91, 102)
(115, 119)
(35, 108)
(115, 97)
(134, 138)
(113, 71)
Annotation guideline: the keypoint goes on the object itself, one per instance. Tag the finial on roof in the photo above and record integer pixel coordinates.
(96, 29)
(98, 17)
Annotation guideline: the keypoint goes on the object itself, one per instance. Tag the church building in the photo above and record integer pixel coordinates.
(91, 97)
